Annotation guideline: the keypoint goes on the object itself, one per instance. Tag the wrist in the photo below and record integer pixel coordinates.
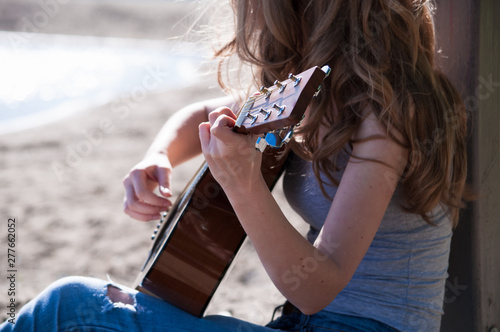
(244, 187)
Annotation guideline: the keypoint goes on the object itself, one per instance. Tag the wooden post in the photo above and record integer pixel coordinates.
(469, 38)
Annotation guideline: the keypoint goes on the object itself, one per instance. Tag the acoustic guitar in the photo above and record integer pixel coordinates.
(195, 243)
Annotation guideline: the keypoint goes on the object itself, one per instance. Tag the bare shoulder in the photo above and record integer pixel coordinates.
(372, 141)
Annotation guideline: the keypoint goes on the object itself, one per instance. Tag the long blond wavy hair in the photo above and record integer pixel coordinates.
(382, 55)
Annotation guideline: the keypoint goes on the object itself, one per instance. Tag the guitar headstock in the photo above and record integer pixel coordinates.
(281, 105)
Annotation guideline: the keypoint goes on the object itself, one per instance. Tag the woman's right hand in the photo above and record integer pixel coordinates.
(141, 201)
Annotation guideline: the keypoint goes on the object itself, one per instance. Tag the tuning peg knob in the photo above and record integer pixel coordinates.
(252, 118)
(271, 139)
(280, 86)
(280, 109)
(295, 79)
(266, 113)
(263, 90)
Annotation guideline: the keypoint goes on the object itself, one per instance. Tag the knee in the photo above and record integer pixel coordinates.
(66, 303)
(74, 287)
(81, 289)
(71, 293)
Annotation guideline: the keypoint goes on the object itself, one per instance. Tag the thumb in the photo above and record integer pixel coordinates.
(163, 176)
(165, 191)
(204, 132)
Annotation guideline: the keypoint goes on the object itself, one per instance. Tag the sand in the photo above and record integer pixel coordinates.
(62, 181)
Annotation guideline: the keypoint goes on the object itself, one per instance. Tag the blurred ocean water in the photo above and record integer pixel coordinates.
(47, 77)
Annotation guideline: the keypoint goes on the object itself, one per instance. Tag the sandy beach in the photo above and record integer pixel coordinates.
(61, 182)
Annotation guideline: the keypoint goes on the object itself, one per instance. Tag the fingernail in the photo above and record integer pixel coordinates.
(165, 191)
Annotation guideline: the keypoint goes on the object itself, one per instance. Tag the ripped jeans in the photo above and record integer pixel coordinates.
(79, 304)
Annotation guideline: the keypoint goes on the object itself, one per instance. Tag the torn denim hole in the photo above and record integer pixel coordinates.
(117, 298)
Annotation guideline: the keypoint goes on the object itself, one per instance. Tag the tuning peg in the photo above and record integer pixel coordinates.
(266, 113)
(271, 139)
(280, 86)
(327, 70)
(274, 140)
(295, 79)
(263, 90)
(261, 144)
(253, 118)
(280, 109)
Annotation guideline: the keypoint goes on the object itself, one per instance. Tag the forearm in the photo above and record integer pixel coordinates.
(307, 277)
(179, 138)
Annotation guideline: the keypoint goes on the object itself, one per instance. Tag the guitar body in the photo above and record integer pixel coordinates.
(196, 242)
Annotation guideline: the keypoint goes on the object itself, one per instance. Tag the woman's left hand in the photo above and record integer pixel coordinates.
(233, 160)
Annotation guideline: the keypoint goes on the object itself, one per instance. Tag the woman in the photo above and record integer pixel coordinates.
(377, 170)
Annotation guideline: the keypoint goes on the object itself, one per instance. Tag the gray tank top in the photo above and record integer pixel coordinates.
(401, 279)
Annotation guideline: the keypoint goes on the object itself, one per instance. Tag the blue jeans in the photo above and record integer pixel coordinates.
(78, 304)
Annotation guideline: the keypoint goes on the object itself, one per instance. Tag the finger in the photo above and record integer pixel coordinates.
(204, 132)
(164, 175)
(220, 111)
(142, 212)
(142, 216)
(132, 203)
(222, 128)
(165, 191)
(224, 110)
(143, 193)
